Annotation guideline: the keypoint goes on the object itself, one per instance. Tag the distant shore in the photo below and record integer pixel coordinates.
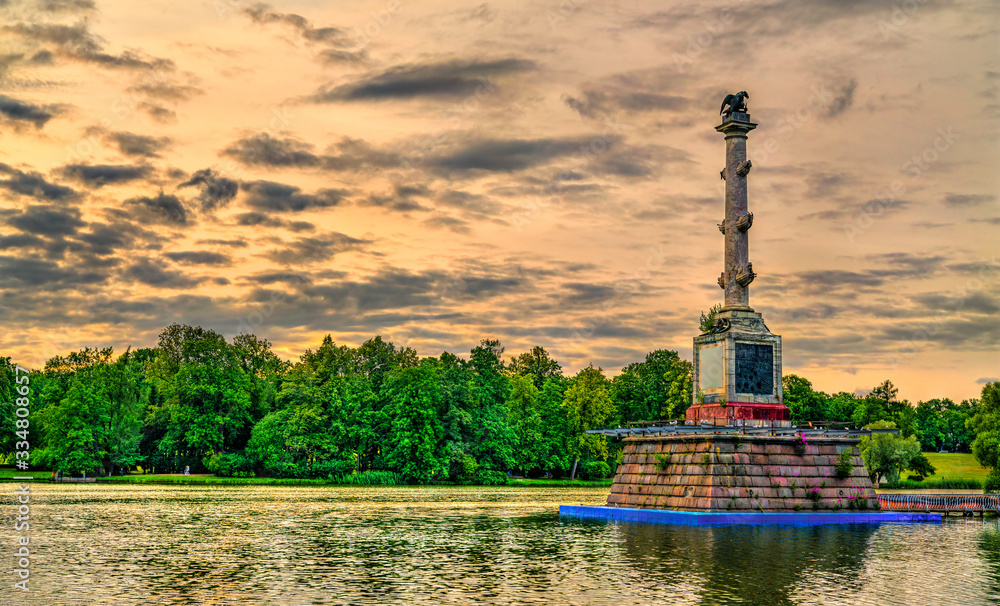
(211, 480)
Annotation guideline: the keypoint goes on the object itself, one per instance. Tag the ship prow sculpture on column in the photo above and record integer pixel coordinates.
(736, 459)
(737, 365)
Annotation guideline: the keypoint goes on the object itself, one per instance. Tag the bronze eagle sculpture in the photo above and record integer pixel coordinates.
(737, 103)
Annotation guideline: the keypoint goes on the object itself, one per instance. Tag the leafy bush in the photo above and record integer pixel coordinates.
(991, 485)
(663, 462)
(960, 483)
(595, 470)
(707, 320)
(335, 468)
(491, 477)
(228, 465)
(372, 478)
(463, 468)
(845, 463)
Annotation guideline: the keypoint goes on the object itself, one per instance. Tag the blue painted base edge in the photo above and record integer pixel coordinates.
(697, 518)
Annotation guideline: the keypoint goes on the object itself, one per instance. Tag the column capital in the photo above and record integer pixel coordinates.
(736, 125)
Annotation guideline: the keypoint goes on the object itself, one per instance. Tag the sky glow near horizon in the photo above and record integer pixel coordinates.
(544, 173)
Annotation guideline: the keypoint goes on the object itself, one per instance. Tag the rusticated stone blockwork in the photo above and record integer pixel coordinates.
(739, 473)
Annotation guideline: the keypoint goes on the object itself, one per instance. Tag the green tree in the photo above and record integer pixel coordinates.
(8, 397)
(886, 455)
(930, 422)
(557, 440)
(588, 406)
(526, 420)
(415, 445)
(985, 425)
(659, 387)
(493, 439)
(535, 364)
(803, 403)
(841, 406)
(707, 321)
(205, 390)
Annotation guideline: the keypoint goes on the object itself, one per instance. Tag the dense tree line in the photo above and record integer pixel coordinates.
(937, 424)
(234, 408)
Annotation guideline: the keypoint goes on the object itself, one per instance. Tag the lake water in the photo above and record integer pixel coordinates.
(135, 545)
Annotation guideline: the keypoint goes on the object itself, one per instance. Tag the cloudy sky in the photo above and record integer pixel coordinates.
(542, 172)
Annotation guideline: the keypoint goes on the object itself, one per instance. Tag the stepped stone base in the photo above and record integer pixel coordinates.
(720, 473)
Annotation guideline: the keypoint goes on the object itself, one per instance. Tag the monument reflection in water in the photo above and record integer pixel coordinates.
(716, 560)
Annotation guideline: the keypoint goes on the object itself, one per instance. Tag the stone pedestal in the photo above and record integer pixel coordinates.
(737, 372)
(716, 473)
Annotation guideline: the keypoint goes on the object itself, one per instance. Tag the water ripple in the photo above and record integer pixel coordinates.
(180, 545)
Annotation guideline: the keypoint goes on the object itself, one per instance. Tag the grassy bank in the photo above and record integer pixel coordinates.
(954, 470)
(211, 480)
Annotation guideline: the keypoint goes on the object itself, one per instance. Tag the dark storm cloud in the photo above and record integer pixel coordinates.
(780, 18)
(599, 103)
(260, 219)
(335, 55)
(99, 175)
(21, 241)
(388, 290)
(850, 212)
(906, 265)
(66, 6)
(966, 200)
(456, 78)
(226, 243)
(319, 248)
(162, 208)
(277, 277)
(963, 333)
(76, 42)
(106, 239)
(34, 185)
(587, 293)
(216, 191)
(354, 154)
(158, 113)
(394, 201)
(48, 221)
(605, 155)
(839, 279)
(286, 152)
(636, 161)
(131, 144)
(261, 13)
(199, 257)
(842, 100)
(19, 273)
(265, 150)
(150, 273)
(15, 111)
(977, 302)
(447, 222)
(168, 91)
(271, 196)
(508, 155)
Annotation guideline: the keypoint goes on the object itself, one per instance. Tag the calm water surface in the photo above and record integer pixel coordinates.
(135, 545)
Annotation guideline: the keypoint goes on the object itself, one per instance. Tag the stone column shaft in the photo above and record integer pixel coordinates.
(737, 257)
